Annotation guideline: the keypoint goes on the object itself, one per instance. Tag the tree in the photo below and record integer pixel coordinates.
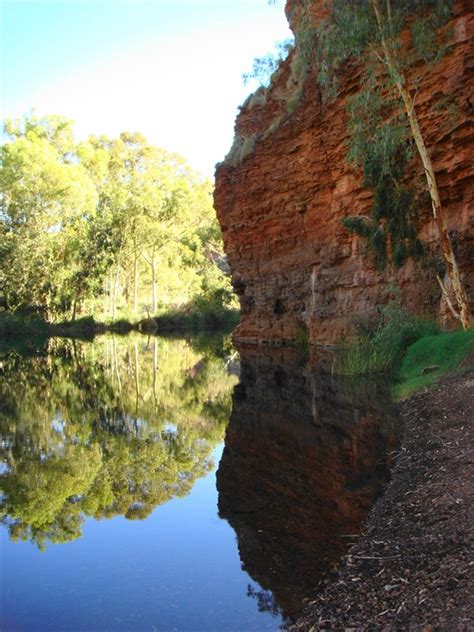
(109, 217)
(46, 201)
(159, 216)
(373, 32)
(264, 67)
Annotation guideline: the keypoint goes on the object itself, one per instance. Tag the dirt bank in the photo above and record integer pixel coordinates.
(412, 568)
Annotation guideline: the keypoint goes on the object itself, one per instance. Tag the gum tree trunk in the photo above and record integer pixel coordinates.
(463, 312)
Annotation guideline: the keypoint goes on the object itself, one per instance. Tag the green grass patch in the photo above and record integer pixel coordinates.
(431, 357)
(379, 344)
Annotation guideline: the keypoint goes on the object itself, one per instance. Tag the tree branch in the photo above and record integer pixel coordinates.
(379, 57)
(448, 300)
(389, 15)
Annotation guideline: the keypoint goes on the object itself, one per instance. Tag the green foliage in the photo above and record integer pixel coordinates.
(442, 353)
(351, 30)
(199, 316)
(264, 67)
(384, 150)
(54, 130)
(12, 325)
(379, 344)
(114, 428)
(393, 221)
(359, 224)
(380, 139)
(294, 100)
(101, 227)
(242, 147)
(45, 204)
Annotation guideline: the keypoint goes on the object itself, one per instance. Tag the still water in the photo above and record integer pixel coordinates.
(145, 486)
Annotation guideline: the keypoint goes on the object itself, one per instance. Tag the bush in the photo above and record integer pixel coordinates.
(84, 322)
(379, 346)
(192, 318)
(121, 326)
(14, 325)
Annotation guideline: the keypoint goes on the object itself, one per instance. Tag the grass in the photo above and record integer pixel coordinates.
(242, 147)
(379, 345)
(411, 352)
(248, 147)
(258, 98)
(441, 353)
(294, 100)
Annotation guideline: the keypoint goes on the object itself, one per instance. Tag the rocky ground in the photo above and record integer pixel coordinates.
(412, 568)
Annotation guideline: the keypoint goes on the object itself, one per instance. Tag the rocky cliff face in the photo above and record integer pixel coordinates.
(284, 188)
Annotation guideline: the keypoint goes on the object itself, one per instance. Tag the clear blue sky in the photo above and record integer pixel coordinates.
(168, 68)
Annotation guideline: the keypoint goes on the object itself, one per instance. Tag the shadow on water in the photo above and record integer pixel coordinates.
(306, 455)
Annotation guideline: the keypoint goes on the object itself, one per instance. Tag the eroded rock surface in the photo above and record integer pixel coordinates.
(286, 185)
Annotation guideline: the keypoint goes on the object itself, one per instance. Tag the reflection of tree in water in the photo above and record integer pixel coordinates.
(265, 601)
(111, 428)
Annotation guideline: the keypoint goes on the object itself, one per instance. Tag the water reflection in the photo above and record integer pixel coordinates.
(305, 456)
(117, 427)
(122, 425)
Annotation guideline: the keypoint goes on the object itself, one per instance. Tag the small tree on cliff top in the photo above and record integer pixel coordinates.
(376, 33)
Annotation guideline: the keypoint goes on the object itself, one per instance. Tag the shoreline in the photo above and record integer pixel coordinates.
(411, 567)
(14, 327)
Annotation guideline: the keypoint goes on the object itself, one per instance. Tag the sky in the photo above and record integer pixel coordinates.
(170, 69)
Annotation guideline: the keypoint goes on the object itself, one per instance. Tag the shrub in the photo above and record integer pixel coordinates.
(13, 325)
(379, 347)
(302, 337)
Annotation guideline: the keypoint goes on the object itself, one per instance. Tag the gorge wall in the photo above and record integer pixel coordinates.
(282, 192)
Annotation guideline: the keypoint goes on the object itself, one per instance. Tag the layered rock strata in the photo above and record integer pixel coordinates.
(286, 185)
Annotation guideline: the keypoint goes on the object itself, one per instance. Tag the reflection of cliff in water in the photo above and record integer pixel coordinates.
(306, 455)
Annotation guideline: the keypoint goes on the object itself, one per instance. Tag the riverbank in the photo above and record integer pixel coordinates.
(18, 326)
(411, 569)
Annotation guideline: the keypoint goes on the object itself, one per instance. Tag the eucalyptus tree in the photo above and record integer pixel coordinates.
(264, 67)
(153, 206)
(383, 119)
(81, 221)
(177, 240)
(111, 167)
(46, 200)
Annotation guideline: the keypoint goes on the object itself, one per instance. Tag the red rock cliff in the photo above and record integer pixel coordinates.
(284, 188)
